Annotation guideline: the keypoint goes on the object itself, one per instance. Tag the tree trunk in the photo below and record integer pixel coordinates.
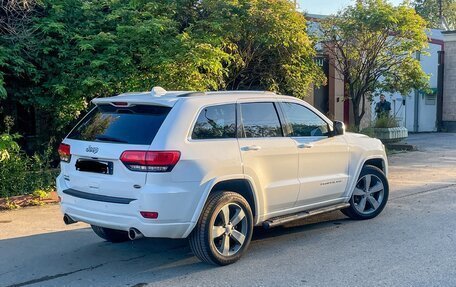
(356, 116)
(355, 104)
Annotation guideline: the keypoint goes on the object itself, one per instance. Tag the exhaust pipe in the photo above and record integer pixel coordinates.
(134, 234)
(68, 220)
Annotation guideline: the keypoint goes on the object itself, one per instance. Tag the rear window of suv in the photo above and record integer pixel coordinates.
(130, 125)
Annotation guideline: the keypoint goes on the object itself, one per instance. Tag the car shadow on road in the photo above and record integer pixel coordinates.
(78, 255)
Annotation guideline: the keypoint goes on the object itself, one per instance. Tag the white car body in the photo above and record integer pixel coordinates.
(285, 175)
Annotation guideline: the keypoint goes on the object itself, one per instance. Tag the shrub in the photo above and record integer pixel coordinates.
(21, 174)
(386, 122)
(7, 145)
(40, 194)
(369, 131)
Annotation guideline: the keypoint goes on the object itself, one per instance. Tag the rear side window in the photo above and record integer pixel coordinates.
(260, 120)
(216, 122)
(131, 125)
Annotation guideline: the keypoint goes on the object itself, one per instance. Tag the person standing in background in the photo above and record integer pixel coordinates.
(383, 107)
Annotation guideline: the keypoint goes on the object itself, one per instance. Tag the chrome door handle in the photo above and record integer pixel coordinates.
(250, 147)
(305, 145)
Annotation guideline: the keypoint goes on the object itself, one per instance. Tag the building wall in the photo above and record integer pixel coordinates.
(449, 82)
(336, 104)
(310, 98)
(366, 120)
(334, 90)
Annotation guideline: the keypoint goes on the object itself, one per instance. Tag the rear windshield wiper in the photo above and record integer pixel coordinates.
(109, 139)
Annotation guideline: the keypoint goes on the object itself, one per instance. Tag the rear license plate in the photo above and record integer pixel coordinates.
(95, 166)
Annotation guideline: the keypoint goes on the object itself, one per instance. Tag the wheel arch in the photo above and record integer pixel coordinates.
(240, 185)
(378, 161)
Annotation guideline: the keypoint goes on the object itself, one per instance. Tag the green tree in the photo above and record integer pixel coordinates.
(78, 50)
(373, 45)
(16, 18)
(266, 40)
(430, 10)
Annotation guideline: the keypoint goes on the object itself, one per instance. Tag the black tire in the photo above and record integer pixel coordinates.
(111, 235)
(377, 176)
(201, 240)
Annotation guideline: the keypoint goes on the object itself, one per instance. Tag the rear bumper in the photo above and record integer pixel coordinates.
(124, 222)
(176, 210)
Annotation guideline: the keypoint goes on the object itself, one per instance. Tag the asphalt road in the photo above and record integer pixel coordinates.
(412, 243)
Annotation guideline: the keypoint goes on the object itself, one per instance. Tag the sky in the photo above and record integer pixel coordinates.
(327, 7)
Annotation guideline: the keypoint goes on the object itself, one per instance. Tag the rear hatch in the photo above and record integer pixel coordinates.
(96, 145)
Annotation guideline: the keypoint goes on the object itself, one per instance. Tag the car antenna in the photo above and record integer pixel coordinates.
(158, 91)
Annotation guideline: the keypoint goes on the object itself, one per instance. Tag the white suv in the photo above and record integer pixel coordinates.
(211, 166)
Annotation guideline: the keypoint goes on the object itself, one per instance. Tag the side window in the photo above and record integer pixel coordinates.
(260, 120)
(303, 122)
(216, 122)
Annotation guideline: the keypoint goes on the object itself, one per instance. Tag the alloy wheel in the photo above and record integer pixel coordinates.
(368, 194)
(229, 229)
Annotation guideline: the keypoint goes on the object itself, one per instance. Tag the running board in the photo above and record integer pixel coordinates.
(295, 216)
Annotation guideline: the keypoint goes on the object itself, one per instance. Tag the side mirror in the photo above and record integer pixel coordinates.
(338, 128)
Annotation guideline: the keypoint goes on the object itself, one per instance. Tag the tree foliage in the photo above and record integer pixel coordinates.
(373, 45)
(430, 10)
(77, 50)
(15, 27)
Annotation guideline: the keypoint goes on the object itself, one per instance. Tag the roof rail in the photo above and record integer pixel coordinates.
(242, 92)
(197, 94)
(191, 94)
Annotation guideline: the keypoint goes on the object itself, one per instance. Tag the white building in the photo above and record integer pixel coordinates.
(418, 111)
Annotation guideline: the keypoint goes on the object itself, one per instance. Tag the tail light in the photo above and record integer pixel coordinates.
(149, 214)
(64, 152)
(151, 161)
